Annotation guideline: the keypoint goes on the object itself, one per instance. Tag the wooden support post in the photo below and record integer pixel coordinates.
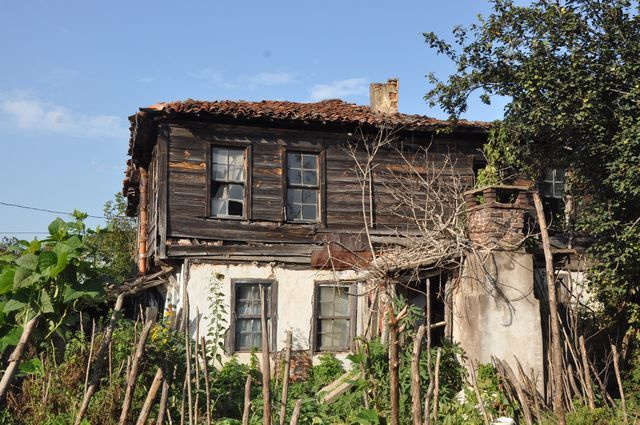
(205, 370)
(474, 383)
(151, 395)
(16, 356)
(556, 345)
(196, 364)
(135, 365)
(393, 365)
(616, 368)
(100, 357)
(164, 397)
(587, 374)
(285, 378)
(416, 399)
(436, 390)
(266, 365)
(296, 412)
(247, 401)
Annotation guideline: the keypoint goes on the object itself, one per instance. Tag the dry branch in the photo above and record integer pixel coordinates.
(16, 356)
(285, 378)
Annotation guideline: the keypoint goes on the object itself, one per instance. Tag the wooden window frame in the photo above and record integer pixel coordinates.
(322, 184)
(248, 166)
(353, 314)
(273, 313)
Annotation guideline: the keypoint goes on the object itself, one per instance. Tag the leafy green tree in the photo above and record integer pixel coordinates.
(48, 280)
(569, 69)
(114, 246)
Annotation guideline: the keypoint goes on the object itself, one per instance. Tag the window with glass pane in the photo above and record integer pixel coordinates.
(553, 183)
(303, 184)
(248, 330)
(333, 318)
(227, 181)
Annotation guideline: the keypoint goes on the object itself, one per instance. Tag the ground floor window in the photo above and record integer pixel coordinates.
(335, 306)
(246, 329)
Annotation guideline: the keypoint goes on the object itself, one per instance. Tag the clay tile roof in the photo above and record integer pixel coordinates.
(333, 110)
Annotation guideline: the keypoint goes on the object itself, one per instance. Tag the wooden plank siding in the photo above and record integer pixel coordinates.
(181, 174)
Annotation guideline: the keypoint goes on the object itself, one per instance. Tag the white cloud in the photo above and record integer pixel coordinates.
(339, 89)
(269, 79)
(41, 116)
(213, 78)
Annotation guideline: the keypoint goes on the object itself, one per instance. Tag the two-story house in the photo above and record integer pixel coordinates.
(234, 195)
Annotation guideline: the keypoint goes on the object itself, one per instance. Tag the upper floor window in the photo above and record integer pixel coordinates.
(303, 186)
(227, 182)
(552, 184)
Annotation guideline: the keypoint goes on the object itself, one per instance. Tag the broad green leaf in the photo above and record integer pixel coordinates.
(13, 305)
(45, 302)
(24, 278)
(89, 289)
(7, 258)
(63, 260)
(57, 228)
(6, 279)
(47, 259)
(28, 261)
(31, 367)
(11, 338)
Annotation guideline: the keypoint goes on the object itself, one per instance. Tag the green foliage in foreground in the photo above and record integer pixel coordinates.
(569, 71)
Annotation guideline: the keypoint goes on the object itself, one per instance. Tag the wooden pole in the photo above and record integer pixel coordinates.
(296, 412)
(474, 383)
(135, 366)
(187, 343)
(616, 367)
(587, 373)
(430, 388)
(436, 390)
(285, 377)
(100, 357)
(151, 395)
(416, 399)
(556, 345)
(93, 335)
(16, 356)
(247, 401)
(266, 365)
(393, 365)
(203, 347)
(196, 364)
(164, 396)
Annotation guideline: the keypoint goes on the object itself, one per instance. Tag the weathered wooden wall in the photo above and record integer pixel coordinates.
(182, 155)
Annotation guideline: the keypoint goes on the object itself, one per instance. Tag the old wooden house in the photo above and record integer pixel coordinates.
(235, 195)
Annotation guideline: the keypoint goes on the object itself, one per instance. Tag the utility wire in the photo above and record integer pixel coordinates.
(24, 233)
(49, 211)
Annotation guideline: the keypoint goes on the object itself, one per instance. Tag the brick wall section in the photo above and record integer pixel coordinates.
(496, 216)
(299, 367)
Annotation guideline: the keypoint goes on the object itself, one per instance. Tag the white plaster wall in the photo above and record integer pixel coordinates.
(495, 312)
(295, 298)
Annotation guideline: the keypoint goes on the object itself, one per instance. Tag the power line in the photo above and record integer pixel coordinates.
(46, 210)
(24, 233)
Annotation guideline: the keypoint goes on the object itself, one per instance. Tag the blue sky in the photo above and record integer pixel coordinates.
(73, 71)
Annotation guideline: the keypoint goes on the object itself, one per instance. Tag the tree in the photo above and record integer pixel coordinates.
(42, 285)
(114, 245)
(569, 69)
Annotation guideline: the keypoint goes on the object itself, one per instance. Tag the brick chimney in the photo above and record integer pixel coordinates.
(384, 97)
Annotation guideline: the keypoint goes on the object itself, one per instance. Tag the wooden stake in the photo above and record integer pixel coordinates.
(393, 365)
(474, 383)
(266, 365)
(436, 390)
(100, 357)
(587, 374)
(197, 366)
(296, 412)
(135, 365)
(203, 347)
(285, 377)
(616, 367)
(16, 356)
(556, 346)
(247, 401)
(416, 399)
(151, 395)
(164, 397)
(93, 334)
(187, 343)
